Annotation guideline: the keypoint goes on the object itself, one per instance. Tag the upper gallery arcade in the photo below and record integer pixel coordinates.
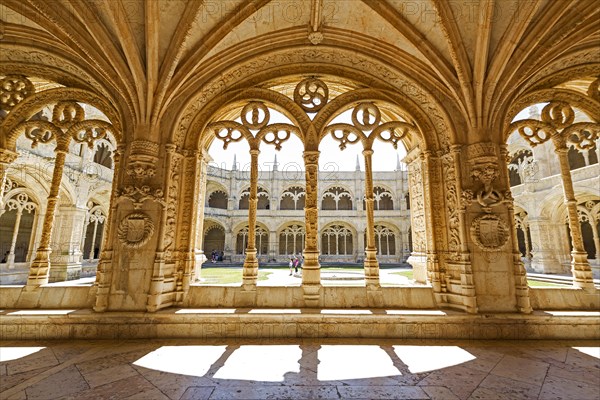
(145, 88)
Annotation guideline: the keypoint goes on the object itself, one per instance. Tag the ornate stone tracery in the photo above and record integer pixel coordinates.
(558, 124)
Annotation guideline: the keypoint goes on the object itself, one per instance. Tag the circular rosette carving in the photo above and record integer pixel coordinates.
(489, 232)
(533, 131)
(582, 135)
(13, 90)
(67, 113)
(558, 114)
(276, 134)
(229, 131)
(259, 115)
(366, 116)
(135, 230)
(345, 134)
(393, 132)
(38, 131)
(89, 131)
(311, 94)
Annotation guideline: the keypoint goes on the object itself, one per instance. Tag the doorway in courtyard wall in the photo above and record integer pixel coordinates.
(257, 195)
(553, 152)
(65, 151)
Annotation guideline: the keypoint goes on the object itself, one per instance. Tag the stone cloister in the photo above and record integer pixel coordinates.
(112, 118)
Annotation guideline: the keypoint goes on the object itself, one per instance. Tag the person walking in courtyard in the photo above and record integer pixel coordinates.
(291, 266)
(295, 264)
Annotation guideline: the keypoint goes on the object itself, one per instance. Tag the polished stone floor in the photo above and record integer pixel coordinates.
(300, 369)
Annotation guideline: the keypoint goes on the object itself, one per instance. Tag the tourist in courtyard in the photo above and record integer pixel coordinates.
(291, 266)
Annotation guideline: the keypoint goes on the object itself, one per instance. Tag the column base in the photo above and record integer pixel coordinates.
(371, 270)
(419, 263)
(38, 271)
(250, 273)
(582, 273)
(546, 266)
(64, 272)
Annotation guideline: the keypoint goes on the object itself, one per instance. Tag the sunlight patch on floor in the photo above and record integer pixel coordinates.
(14, 353)
(267, 363)
(590, 351)
(429, 358)
(183, 360)
(41, 312)
(341, 362)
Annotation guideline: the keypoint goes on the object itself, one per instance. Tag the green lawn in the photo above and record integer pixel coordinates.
(545, 284)
(408, 273)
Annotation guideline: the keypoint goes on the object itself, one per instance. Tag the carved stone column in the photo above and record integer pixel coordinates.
(417, 258)
(40, 266)
(192, 216)
(580, 267)
(66, 250)
(311, 270)
(434, 219)
(199, 255)
(94, 232)
(544, 258)
(250, 271)
(273, 245)
(371, 264)
(166, 234)
(457, 257)
(104, 271)
(519, 273)
(6, 158)
(499, 275)
(596, 236)
(10, 261)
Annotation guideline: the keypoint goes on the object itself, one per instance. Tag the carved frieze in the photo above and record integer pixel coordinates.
(172, 200)
(452, 204)
(142, 160)
(139, 194)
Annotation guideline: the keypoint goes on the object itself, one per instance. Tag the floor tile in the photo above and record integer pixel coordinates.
(565, 389)
(521, 369)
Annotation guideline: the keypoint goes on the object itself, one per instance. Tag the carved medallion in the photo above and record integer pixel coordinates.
(135, 230)
(489, 232)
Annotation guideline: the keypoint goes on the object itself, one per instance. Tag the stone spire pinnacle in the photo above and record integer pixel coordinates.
(234, 166)
(357, 164)
(275, 163)
(398, 166)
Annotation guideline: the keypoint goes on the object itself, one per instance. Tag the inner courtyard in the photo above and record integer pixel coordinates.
(225, 177)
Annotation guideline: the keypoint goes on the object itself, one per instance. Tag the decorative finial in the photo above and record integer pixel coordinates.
(234, 166)
(275, 163)
(357, 164)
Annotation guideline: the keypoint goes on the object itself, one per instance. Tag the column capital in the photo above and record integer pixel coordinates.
(311, 156)
(62, 143)
(560, 143)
